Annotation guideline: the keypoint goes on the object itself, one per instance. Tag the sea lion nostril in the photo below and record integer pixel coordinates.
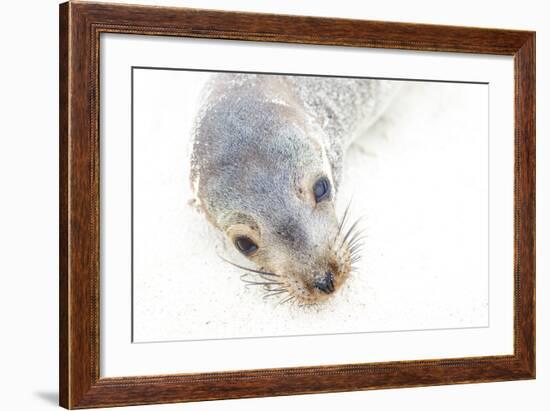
(326, 283)
(329, 279)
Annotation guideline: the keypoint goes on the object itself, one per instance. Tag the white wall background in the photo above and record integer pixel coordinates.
(28, 217)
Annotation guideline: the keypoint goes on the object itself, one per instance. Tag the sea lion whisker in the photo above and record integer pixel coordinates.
(258, 283)
(268, 279)
(352, 228)
(277, 290)
(282, 287)
(341, 226)
(252, 282)
(248, 269)
(355, 259)
(357, 242)
(356, 248)
(344, 218)
(350, 231)
(359, 235)
(245, 274)
(269, 295)
(286, 300)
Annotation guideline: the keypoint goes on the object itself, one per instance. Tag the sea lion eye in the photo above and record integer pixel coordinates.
(321, 189)
(245, 245)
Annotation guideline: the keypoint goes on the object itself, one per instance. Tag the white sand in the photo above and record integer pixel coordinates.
(419, 177)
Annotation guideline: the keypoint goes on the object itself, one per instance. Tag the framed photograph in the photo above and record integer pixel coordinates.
(258, 205)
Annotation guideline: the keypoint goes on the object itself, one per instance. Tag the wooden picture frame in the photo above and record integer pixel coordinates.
(80, 27)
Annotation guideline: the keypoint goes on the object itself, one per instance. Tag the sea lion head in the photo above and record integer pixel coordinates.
(261, 175)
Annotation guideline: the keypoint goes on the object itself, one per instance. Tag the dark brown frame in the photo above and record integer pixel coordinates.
(80, 27)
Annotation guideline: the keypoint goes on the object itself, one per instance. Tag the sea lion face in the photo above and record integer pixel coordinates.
(263, 178)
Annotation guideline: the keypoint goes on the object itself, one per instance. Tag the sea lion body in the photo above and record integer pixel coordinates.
(266, 163)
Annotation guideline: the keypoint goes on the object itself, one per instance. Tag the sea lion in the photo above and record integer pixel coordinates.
(266, 162)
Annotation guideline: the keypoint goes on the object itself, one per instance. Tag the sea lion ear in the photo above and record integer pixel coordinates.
(195, 204)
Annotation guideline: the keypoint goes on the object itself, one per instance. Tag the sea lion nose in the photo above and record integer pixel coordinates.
(325, 283)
